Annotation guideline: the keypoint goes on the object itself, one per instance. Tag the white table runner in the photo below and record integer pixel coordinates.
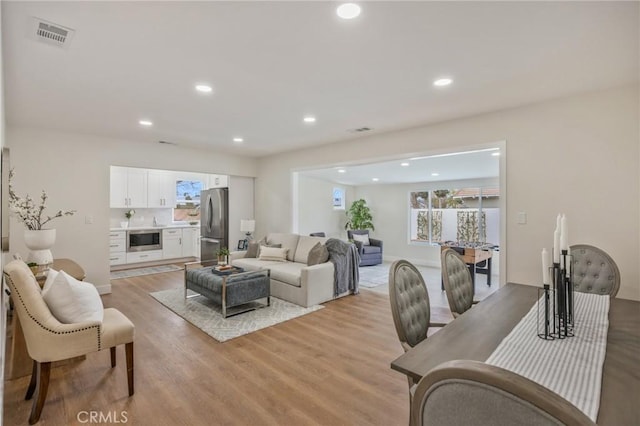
(571, 367)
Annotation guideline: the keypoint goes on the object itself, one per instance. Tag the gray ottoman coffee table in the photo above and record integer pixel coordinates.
(238, 289)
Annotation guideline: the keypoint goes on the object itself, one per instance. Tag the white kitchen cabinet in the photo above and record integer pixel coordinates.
(161, 191)
(144, 256)
(117, 247)
(190, 238)
(128, 187)
(218, 181)
(172, 243)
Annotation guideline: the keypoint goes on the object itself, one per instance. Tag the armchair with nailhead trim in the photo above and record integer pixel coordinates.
(49, 340)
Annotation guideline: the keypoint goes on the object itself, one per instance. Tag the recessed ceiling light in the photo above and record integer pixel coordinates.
(145, 123)
(435, 174)
(342, 171)
(442, 82)
(309, 119)
(404, 164)
(375, 179)
(348, 10)
(238, 140)
(204, 88)
(496, 154)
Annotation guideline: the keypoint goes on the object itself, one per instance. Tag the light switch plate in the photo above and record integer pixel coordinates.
(522, 218)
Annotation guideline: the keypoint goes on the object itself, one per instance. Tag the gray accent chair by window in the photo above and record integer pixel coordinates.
(594, 271)
(457, 282)
(49, 340)
(410, 307)
(369, 254)
(464, 392)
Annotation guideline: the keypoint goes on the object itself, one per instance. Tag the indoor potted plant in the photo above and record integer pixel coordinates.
(223, 256)
(359, 216)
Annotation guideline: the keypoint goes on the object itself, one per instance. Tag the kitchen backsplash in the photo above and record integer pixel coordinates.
(142, 217)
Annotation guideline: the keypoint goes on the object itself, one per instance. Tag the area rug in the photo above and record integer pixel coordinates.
(205, 314)
(128, 273)
(373, 276)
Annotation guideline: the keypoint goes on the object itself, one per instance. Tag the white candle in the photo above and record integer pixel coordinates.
(545, 266)
(556, 246)
(564, 234)
(558, 222)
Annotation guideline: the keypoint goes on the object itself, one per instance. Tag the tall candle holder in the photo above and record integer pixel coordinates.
(563, 302)
(545, 312)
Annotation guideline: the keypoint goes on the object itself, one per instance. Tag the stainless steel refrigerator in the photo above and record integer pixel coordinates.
(214, 222)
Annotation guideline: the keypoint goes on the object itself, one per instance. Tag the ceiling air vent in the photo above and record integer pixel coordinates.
(167, 143)
(360, 130)
(50, 33)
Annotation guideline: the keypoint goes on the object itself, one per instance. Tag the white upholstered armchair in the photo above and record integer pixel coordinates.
(49, 340)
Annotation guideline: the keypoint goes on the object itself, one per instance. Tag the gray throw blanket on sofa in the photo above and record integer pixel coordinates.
(346, 259)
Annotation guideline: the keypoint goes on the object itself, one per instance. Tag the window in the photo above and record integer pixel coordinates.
(187, 200)
(467, 214)
(338, 199)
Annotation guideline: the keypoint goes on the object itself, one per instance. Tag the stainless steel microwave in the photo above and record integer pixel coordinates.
(144, 240)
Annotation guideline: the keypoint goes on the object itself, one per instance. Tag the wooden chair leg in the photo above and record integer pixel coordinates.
(44, 369)
(129, 352)
(113, 357)
(32, 383)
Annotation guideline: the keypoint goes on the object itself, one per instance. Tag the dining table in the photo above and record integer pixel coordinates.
(477, 333)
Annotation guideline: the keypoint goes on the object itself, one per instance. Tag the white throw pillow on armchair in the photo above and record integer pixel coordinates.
(72, 301)
(364, 239)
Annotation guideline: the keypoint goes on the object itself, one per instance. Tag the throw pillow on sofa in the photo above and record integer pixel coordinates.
(364, 239)
(263, 242)
(277, 254)
(252, 250)
(317, 255)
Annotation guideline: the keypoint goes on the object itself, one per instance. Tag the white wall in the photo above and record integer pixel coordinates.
(577, 155)
(315, 207)
(241, 206)
(74, 170)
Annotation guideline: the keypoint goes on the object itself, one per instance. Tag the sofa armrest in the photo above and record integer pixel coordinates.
(375, 242)
(236, 255)
(319, 282)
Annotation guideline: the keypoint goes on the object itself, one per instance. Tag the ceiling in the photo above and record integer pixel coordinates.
(477, 164)
(271, 63)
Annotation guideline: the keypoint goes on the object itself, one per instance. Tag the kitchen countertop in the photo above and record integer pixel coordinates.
(140, 228)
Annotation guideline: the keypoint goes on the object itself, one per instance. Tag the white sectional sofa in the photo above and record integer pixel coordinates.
(293, 280)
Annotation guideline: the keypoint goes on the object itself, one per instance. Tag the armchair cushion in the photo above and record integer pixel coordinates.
(72, 301)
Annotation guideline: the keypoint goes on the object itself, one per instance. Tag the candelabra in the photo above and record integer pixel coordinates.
(558, 301)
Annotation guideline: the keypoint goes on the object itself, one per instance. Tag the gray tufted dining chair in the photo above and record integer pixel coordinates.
(457, 282)
(594, 271)
(410, 307)
(465, 392)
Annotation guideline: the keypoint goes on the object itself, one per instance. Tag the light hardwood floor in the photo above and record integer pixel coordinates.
(330, 367)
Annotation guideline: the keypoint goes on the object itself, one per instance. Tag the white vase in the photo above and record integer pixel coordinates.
(40, 243)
